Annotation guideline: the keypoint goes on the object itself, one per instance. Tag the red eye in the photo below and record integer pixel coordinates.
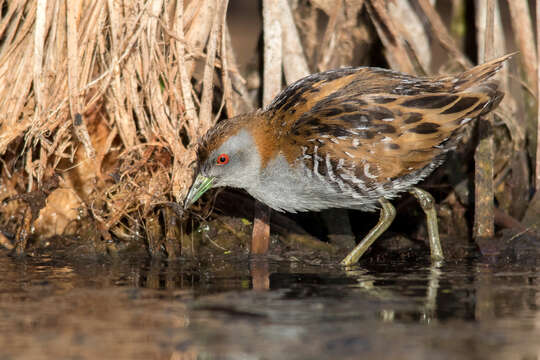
(222, 159)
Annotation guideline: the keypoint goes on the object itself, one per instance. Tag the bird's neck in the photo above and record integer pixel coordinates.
(265, 136)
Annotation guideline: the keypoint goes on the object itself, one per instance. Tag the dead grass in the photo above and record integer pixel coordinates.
(112, 95)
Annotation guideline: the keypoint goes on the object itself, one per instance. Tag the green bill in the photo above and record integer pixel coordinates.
(199, 187)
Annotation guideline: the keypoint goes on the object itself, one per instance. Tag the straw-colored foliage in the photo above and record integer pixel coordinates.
(109, 97)
(100, 93)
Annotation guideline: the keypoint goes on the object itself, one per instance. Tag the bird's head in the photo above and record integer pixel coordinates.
(227, 156)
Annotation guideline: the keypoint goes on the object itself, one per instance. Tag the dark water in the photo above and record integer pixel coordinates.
(139, 309)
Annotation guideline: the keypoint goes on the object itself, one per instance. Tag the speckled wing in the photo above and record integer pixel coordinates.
(392, 136)
(374, 125)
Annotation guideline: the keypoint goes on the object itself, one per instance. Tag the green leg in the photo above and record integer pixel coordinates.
(428, 205)
(387, 215)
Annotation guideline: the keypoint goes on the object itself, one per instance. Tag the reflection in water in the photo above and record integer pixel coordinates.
(260, 276)
(432, 290)
(138, 308)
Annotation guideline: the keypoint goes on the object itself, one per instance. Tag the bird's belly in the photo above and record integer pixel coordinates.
(284, 188)
(293, 189)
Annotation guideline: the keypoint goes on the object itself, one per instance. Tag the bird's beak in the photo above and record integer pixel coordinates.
(199, 187)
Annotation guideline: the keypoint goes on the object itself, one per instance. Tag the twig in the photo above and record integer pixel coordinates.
(484, 215)
(189, 106)
(242, 102)
(260, 239)
(106, 75)
(214, 243)
(414, 32)
(294, 61)
(537, 182)
(523, 30)
(439, 31)
(330, 38)
(39, 42)
(79, 124)
(119, 92)
(205, 112)
(272, 50)
(396, 53)
(225, 76)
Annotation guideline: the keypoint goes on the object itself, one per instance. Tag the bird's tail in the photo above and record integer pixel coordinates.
(480, 75)
(478, 80)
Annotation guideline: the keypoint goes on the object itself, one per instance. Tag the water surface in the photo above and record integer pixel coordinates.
(232, 308)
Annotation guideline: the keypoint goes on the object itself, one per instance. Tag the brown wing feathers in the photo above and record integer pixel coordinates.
(381, 118)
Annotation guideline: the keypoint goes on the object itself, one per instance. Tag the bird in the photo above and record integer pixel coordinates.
(353, 137)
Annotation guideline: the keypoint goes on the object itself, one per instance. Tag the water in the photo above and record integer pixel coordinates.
(142, 309)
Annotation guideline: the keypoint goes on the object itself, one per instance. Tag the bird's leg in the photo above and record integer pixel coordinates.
(428, 205)
(260, 238)
(387, 215)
